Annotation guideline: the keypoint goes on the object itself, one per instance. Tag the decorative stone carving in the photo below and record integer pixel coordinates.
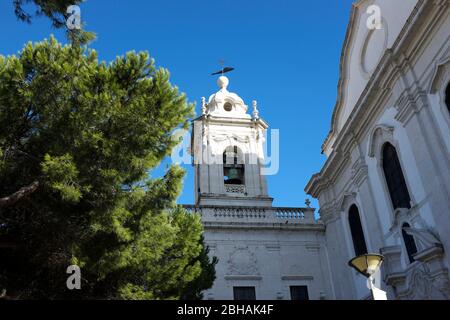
(400, 215)
(217, 101)
(424, 238)
(242, 262)
(374, 45)
(440, 74)
(255, 114)
(347, 200)
(230, 138)
(203, 105)
(235, 188)
(427, 278)
(408, 104)
(420, 286)
(380, 134)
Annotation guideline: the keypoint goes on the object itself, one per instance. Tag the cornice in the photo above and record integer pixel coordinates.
(234, 121)
(211, 225)
(342, 70)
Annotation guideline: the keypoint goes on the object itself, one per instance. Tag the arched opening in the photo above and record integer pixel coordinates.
(410, 244)
(394, 178)
(447, 97)
(233, 166)
(359, 242)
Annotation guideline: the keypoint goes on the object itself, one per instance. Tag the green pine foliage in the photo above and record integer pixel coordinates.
(206, 278)
(78, 138)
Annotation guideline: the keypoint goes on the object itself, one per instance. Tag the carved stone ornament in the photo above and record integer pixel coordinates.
(230, 138)
(424, 238)
(420, 286)
(242, 262)
(379, 135)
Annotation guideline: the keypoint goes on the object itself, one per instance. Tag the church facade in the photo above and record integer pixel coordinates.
(264, 252)
(385, 186)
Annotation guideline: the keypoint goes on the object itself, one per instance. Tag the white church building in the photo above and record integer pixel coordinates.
(384, 188)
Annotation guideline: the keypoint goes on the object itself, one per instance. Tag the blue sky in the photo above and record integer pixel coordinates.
(286, 54)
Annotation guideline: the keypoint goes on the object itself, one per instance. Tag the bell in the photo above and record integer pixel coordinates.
(233, 177)
(233, 174)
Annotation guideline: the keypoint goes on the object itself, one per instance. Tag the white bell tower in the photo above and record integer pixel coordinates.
(227, 147)
(264, 252)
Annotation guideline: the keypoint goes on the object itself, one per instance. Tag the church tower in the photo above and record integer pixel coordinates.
(264, 252)
(227, 149)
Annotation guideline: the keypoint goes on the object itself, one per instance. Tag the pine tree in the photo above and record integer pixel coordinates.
(77, 140)
(194, 289)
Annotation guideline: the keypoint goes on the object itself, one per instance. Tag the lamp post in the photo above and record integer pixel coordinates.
(368, 265)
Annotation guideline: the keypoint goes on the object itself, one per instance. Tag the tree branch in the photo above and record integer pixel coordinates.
(15, 197)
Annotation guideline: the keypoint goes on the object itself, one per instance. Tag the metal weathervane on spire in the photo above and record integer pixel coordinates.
(224, 69)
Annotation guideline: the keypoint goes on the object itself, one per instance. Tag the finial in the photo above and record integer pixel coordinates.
(255, 110)
(203, 105)
(308, 203)
(223, 82)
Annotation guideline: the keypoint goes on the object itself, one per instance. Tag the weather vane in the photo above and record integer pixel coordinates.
(224, 69)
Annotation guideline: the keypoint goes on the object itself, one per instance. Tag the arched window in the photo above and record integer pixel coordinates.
(394, 178)
(447, 97)
(359, 242)
(410, 244)
(233, 166)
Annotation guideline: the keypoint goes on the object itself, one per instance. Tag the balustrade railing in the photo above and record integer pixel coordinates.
(235, 188)
(263, 214)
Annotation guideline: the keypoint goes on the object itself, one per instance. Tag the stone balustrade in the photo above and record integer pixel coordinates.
(254, 214)
(235, 188)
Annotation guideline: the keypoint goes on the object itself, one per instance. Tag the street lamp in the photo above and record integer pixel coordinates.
(368, 265)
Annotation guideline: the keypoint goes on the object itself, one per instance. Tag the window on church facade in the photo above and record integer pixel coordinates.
(244, 293)
(394, 178)
(410, 244)
(233, 166)
(359, 242)
(447, 97)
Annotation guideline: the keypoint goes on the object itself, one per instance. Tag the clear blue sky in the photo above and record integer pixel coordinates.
(286, 54)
